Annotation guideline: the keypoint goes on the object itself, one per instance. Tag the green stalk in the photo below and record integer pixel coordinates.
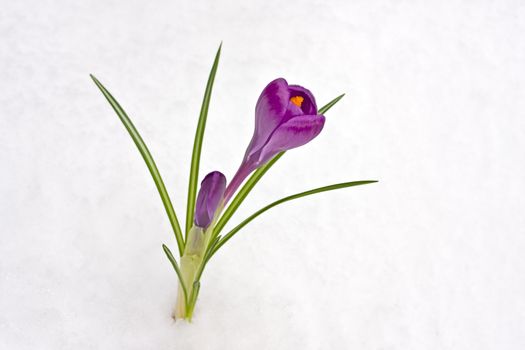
(191, 265)
(243, 193)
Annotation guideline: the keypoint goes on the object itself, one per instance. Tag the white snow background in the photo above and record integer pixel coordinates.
(431, 257)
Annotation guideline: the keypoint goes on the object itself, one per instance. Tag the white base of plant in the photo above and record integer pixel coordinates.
(191, 265)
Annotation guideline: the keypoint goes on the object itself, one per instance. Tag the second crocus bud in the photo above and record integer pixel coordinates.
(209, 198)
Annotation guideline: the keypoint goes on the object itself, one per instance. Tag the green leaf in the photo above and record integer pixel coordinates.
(197, 145)
(209, 251)
(230, 234)
(330, 104)
(193, 299)
(256, 176)
(149, 162)
(177, 270)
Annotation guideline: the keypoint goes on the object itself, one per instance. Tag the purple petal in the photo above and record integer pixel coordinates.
(209, 198)
(269, 112)
(292, 110)
(291, 134)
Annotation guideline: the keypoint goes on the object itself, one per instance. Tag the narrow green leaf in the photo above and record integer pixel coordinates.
(193, 299)
(177, 270)
(143, 149)
(330, 104)
(256, 176)
(197, 144)
(230, 234)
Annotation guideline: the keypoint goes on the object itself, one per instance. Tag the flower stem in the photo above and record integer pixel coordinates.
(241, 174)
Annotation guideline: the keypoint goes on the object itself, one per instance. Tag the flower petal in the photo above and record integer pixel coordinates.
(209, 197)
(269, 112)
(292, 111)
(291, 134)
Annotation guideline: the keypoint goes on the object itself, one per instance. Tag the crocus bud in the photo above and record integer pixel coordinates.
(210, 195)
(285, 118)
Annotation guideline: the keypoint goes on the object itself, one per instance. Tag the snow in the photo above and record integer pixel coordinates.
(431, 257)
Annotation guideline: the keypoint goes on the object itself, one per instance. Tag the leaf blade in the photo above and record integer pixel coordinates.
(171, 258)
(197, 144)
(148, 158)
(330, 104)
(230, 234)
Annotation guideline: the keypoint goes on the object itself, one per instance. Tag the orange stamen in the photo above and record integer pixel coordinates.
(297, 100)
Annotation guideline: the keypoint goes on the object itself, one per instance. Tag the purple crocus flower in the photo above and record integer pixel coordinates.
(285, 117)
(209, 197)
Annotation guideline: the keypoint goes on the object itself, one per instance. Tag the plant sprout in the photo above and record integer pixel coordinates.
(286, 117)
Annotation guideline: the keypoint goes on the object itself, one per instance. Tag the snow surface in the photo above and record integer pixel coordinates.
(432, 257)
